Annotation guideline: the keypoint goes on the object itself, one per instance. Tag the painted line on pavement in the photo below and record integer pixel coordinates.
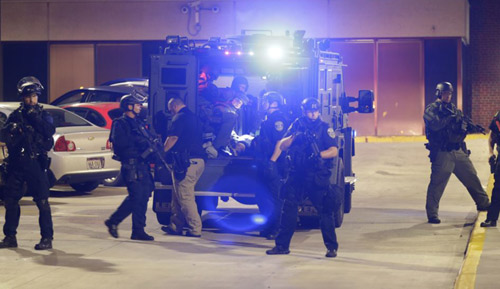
(466, 278)
(406, 138)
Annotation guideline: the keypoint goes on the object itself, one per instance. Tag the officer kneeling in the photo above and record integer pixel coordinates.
(311, 146)
(28, 134)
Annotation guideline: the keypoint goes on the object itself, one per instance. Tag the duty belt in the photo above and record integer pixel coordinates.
(133, 162)
(451, 147)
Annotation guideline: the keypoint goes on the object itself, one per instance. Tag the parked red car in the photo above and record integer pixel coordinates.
(98, 113)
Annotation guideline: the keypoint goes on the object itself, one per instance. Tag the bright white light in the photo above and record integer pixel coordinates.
(275, 52)
(259, 219)
(251, 53)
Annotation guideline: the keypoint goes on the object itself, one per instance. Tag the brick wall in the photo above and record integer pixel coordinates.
(483, 58)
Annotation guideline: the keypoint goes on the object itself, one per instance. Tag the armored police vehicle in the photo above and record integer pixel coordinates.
(295, 67)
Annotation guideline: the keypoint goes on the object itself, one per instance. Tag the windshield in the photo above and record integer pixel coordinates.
(63, 118)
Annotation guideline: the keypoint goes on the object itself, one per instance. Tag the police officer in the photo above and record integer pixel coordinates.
(130, 146)
(494, 139)
(184, 142)
(311, 147)
(445, 130)
(28, 135)
(273, 172)
(224, 119)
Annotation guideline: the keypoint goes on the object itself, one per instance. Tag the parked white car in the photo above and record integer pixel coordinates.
(81, 156)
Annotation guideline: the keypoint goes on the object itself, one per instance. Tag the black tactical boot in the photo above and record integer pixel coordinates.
(9, 242)
(434, 220)
(112, 228)
(142, 236)
(489, 223)
(45, 244)
(278, 250)
(331, 253)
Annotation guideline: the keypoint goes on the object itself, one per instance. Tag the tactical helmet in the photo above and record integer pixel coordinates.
(310, 104)
(443, 86)
(239, 80)
(273, 96)
(28, 85)
(136, 96)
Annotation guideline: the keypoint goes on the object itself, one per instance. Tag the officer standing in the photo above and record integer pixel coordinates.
(130, 146)
(184, 150)
(494, 139)
(272, 130)
(28, 135)
(311, 147)
(445, 130)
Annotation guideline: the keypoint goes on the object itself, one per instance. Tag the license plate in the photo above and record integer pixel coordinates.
(95, 163)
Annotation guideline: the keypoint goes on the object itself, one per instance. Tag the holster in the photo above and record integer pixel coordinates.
(131, 171)
(433, 150)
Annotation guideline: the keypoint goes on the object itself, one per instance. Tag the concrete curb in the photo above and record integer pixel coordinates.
(466, 278)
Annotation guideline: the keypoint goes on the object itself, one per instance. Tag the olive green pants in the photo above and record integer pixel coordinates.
(458, 163)
(184, 209)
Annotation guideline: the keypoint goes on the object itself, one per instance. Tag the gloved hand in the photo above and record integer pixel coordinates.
(445, 110)
(34, 114)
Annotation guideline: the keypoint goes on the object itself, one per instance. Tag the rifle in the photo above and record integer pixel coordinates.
(310, 140)
(23, 130)
(467, 124)
(154, 146)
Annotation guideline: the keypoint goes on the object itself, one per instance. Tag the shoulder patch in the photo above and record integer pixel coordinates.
(331, 132)
(279, 125)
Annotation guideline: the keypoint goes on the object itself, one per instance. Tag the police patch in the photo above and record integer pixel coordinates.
(331, 132)
(279, 126)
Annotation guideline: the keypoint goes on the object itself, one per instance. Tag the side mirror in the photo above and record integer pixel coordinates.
(365, 101)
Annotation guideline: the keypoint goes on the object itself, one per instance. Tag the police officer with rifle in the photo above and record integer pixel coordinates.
(446, 128)
(494, 140)
(28, 134)
(135, 148)
(311, 148)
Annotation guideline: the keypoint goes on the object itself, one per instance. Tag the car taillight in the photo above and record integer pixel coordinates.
(63, 145)
(109, 145)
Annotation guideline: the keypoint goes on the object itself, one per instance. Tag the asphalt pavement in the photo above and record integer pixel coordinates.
(385, 242)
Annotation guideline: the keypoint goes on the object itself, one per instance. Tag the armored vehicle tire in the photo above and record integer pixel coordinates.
(206, 203)
(113, 182)
(339, 195)
(163, 218)
(85, 186)
(347, 199)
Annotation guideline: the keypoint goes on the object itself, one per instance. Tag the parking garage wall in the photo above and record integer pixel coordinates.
(484, 59)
